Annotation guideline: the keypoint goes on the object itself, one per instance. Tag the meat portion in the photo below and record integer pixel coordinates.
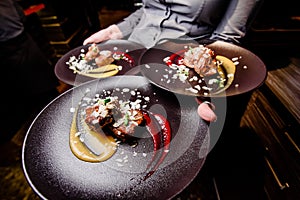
(98, 116)
(125, 125)
(93, 52)
(104, 58)
(118, 118)
(202, 59)
(101, 57)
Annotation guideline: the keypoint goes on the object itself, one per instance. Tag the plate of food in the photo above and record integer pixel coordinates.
(93, 61)
(215, 69)
(115, 138)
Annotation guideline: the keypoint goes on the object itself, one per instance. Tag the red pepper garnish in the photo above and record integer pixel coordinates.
(166, 138)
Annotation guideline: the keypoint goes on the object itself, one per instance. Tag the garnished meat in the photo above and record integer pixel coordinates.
(202, 59)
(104, 58)
(99, 63)
(101, 57)
(92, 53)
(117, 116)
(124, 126)
(101, 113)
(120, 118)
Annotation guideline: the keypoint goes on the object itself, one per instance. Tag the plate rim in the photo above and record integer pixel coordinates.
(59, 64)
(62, 96)
(221, 44)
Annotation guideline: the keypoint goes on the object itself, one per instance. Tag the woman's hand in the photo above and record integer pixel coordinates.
(111, 32)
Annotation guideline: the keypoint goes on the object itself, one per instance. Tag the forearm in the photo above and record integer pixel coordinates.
(116, 31)
(237, 20)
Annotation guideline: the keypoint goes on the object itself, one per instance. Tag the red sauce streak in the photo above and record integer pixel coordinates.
(125, 56)
(172, 58)
(166, 139)
(154, 132)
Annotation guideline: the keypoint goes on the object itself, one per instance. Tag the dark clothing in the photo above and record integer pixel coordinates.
(27, 76)
(11, 20)
(26, 68)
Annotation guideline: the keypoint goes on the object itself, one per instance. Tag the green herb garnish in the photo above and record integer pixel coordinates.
(107, 101)
(126, 120)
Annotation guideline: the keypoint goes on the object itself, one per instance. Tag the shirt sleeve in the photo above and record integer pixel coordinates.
(127, 25)
(236, 21)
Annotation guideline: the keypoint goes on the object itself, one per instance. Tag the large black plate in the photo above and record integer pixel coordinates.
(55, 173)
(250, 72)
(133, 49)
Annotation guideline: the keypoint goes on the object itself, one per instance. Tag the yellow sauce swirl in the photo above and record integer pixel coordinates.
(81, 151)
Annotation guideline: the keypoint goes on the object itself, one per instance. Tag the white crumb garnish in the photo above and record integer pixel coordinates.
(234, 59)
(192, 90)
(120, 165)
(236, 62)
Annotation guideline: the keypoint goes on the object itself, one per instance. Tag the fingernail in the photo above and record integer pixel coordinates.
(206, 113)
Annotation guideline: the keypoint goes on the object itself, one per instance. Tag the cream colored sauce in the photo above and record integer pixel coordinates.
(80, 150)
(101, 75)
(101, 72)
(230, 68)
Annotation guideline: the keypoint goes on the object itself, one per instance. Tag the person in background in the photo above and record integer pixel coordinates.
(201, 20)
(28, 81)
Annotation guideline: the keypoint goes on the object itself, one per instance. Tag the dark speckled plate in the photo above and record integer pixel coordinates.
(250, 70)
(54, 172)
(134, 50)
